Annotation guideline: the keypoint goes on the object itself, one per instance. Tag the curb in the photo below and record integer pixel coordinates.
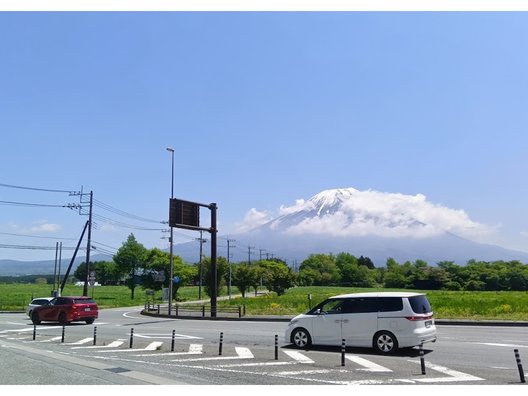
(441, 322)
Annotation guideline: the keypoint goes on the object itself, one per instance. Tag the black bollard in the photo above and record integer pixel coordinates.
(63, 330)
(172, 342)
(422, 360)
(519, 365)
(131, 337)
(34, 332)
(276, 347)
(95, 335)
(343, 349)
(220, 346)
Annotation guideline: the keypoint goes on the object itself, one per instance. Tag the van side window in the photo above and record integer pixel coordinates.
(388, 304)
(420, 304)
(360, 305)
(332, 306)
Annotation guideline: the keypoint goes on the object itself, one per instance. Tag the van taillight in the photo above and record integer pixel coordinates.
(415, 318)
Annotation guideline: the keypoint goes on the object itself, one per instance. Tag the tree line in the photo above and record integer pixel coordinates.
(135, 265)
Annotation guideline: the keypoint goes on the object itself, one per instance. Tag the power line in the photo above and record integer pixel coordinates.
(120, 212)
(70, 206)
(36, 189)
(37, 236)
(123, 225)
(30, 247)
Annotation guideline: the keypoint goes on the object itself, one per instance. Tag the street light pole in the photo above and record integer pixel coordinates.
(171, 150)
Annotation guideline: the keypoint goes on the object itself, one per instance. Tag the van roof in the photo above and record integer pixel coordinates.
(380, 294)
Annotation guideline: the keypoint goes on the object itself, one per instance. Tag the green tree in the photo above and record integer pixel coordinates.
(105, 272)
(130, 260)
(222, 269)
(156, 273)
(243, 277)
(320, 269)
(276, 276)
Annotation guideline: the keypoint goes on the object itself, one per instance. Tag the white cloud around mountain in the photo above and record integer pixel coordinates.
(359, 213)
(253, 219)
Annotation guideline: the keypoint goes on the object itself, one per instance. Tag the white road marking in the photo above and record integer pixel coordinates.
(194, 349)
(299, 357)
(167, 336)
(113, 344)
(150, 347)
(369, 366)
(80, 342)
(52, 339)
(242, 353)
(501, 345)
(29, 329)
(454, 376)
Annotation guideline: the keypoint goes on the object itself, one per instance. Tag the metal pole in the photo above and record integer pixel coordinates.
(55, 271)
(220, 345)
(519, 365)
(171, 235)
(62, 337)
(422, 360)
(59, 272)
(34, 332)
(214, 275)
(95, 335)
(172, 342)
(88, 243)
(131, 337)
(343, 349)
(276, 347)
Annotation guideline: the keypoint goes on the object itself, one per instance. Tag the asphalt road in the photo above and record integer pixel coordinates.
(463, 355)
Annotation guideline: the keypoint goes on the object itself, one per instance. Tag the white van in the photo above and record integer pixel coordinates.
(384, 321)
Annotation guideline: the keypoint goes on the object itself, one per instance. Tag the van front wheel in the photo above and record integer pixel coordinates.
(301, 338)
(385, 342)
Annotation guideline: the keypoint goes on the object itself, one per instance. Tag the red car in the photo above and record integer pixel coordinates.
(65, 310)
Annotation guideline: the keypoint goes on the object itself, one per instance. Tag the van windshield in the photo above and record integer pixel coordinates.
(420, 304)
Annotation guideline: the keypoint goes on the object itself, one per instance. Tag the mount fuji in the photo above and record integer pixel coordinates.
(377, 225)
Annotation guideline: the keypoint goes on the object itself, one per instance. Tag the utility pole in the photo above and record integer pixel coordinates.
(88, 244)
(200, 268)
(58, 275)
(249, 254)
(229, 264)
(260, 251)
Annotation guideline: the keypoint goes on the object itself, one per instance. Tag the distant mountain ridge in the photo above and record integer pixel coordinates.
(363, 223)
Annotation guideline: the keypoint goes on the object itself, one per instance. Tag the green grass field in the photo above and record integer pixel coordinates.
(511, 306)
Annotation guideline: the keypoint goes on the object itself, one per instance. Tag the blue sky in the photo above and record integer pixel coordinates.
(262, 109)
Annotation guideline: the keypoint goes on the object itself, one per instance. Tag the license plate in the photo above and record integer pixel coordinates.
(428, 323)
(87, 309)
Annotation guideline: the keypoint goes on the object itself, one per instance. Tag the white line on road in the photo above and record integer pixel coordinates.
(299, 357)
(150, 347)
(369, 366)
(194, 349)
(242, 353)
(454, 376)
(81, 342)
(113, 344)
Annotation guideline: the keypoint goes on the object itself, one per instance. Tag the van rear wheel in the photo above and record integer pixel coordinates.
(385, 342)
(301, 338)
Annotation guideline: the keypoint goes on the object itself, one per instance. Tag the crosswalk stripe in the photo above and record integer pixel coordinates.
(80, 342)
(242, 353)
(113, 344)
(194, 349)
(299, 357)
(151, 347)
(369, 366)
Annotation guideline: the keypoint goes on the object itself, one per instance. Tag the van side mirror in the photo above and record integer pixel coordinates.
(318, 311)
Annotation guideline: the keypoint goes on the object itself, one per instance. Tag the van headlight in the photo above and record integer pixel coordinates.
(292, 322)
